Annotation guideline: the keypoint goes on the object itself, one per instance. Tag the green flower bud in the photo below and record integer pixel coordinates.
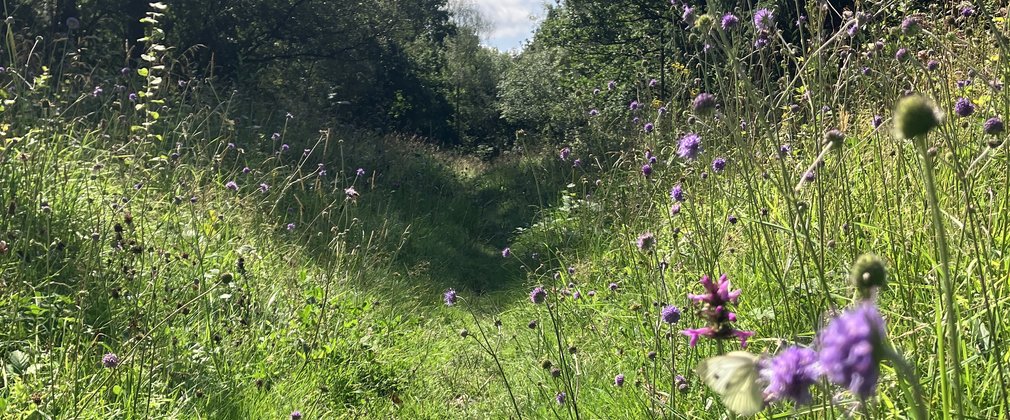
(834, 139)
(868, 273)
(915, 116)
(704, 22)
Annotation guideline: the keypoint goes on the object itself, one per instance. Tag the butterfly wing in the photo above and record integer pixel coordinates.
(734, 377)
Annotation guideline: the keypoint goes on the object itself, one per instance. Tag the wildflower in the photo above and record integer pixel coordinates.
(506, 252)
(718, 165)
(555, 372)
(670, 314)
(901, 54)
(915, 116)
(110, 360)
(877, 121)
(577, 163)
(596, 91)
(619, 380)
(560, 398)
(532, 324)
(611, 85)
(964, 107)
(675, 209)
(993, 126)
(593, 112)
(790, 375)
(731, 219)
(97, 92)
(538, 295)
(264, 188)
(231, 185)
(764, 20)
(576, 295)
(910, 25)
(932, 65)
(662, 110)
(275, 136)
(648, 127)
(681, 383)
(351, 193)
(810, 176)
(647, 170)
(784, 150)
(868, 273)
(849, 349)
(450, 297)
(285, 147)
(612, 287)
(653, 83)
(834, 138)
(646, 242)
(296, 415)
(703, 104)
(291, 226)
(132, 97)
(729, 21)
(246, 170)
(633, 105)
(677, 193)
(360, 172)
(762, 41)
(565, 152)
(571, 272)
(688, 15)
(712, 307)
(961, 84)
(689, 146)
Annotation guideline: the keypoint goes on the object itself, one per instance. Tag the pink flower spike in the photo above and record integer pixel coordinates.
(743, 336)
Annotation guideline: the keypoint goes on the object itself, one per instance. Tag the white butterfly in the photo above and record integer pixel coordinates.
(734, 376)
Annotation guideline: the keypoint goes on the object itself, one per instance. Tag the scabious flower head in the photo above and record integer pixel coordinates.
(450, 297)
(677, 193)
(611, 85)
(648, 127)
(849, 349)
(703, 104)
(670, 314)
(506, 252)
(647, 170)
(834, 138)
(810, 176)
(275, 136)
(619, 380)
(133, 97)
(594, 112)
(360, 172)
(560, 398)
(910, 25)
(915, 116)
(729, 21)
(351, 193)
(689, 146)
(538, 295)
(961, 84)
(646, 242)
(877, 121)
(675, 209)
(264, 187)
(764, 20)
(634, 105)
(967, 10)
(688, 15)
(901, 54)
(290, 226)
(964, 107)
(565, 153)
(718, 165)
(790, 375)
(681, 383)
(110, 360)
(993, 126)
(784, 150)
(231, 185)
(932, 65)
(296, 415)
(653, 83)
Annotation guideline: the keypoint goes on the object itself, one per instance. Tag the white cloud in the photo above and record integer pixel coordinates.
(512, 21)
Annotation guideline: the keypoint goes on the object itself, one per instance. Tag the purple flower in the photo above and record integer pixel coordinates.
(565, 152)
(762, 41)
(810, 176)
(619, 380)
(681, 383)
(712, 307)
(646, 241)
(97, 92)
(729, 21)
(360, 172)
(450, 297)
(633, 105)
(132, 97)
(110, 361)
(505, 253)
(538, 295)
(764, 20)
(675, 209)
(670, 314)
(647, 170)
(351, 193)
(593, 112)
(717, 294)
(964, 107)
(877, 121)
(784, 150)
(577, 163)
(231, 185)
(611, 85)
(662, 110)
(560, 398)
(718, 165)
(612, 287)
(901, 54)
(275, 136)
(731, 219)
(648, 127)
(910, 25)
(690, 146)
(932, 65)
(285, 147)
(653, 83)
(677, 193)
(849, 349)
(264, 188)
(967, 11)
(703, 104)
(688, 15)
(961, 84)
(291, 226)
(296, 415)
(790, 375)
(246, 170)
(993, 126)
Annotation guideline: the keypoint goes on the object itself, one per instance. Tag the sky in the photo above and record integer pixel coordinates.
(511, 21)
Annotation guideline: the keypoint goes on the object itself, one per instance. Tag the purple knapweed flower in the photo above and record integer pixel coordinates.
(964, 107)
(718, 165)
(849, 349)
(764, 20)
(790, 375)
(689, 146)
(110, 361)
(670, 314)
(729, 21)
(450, 297)
(993, 126)
(538, 295)
(633, 105)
